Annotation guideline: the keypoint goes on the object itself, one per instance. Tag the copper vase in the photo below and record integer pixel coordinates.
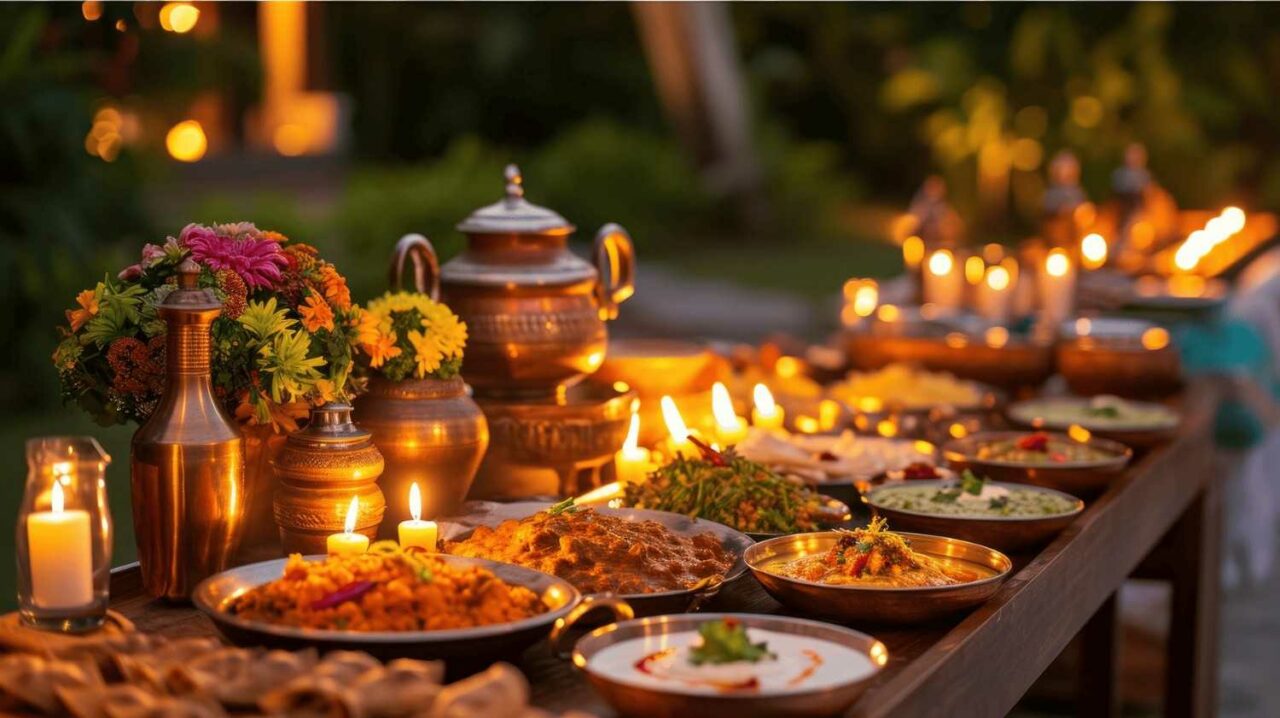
(318, 471)
(187, 460)
(429, 432)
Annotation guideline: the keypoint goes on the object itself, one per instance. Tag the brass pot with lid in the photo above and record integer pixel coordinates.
(535, 312)
(319, 470)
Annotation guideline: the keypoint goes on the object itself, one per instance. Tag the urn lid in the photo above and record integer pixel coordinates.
(330, 427)
(189, 295)
(513, 214)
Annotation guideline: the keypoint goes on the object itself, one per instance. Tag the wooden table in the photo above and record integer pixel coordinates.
(1162, 516)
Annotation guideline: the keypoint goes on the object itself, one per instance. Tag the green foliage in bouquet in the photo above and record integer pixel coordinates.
(285, 339)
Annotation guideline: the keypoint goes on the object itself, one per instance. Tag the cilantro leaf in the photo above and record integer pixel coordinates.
(726, 641)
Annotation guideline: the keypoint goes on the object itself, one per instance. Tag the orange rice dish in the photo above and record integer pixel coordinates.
(385, 591)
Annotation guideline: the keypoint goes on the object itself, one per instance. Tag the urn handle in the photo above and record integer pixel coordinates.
(616, 262)
(426, 268)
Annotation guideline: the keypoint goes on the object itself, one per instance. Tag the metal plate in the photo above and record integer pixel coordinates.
(633, 700)
(491, 514)
(1078, 478)
(213, 594)
(876, 604)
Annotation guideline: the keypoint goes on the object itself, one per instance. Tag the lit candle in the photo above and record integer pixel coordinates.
(414, 532)
(995, 294)
(861, 297)
(1057, 287)
(766, 414)
(633, 462)
(348, 542)
(912, 252)
(1093, 251)
(730, 428)
(943, 281)
(678, 442)
(61, 554)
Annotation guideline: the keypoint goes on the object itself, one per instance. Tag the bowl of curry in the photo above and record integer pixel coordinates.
(658, 562)
(1081, 466)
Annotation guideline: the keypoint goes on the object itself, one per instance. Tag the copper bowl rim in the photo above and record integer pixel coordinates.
(204, 601)
(1005, 562)
(852, 639)
(1014, 410)
(962, 450)
(1076, 507)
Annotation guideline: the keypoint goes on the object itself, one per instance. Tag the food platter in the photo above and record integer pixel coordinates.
(1075, 477)
(874, 604)
(1011, 533)
(610, 657)
(214, 595)
(1148, 423)
(643, 604)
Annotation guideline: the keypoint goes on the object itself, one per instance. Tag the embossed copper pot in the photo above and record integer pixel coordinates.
(319, 469)
(187, 460)
(535, 312)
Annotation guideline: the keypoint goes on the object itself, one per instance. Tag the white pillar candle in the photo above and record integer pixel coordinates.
(633, 462)
(995, 294)
(414, 532)
(730, 428)
(348, 543)
(766, 414)
(61, 555)
(1057, 287)
(943, 280)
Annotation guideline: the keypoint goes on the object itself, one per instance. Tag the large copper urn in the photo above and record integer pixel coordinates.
(535, 312)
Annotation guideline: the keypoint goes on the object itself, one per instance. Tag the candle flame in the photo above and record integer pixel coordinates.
(941, 262)
(1155, 338)
(56, 500)
(415, 505)
(763, 399)
(1093, 249)
(998, 278)
(787, 367)
(675, 423)
(957, 431)
(806, 424)
(997, 337)
(974, 268)
(1078, 433)
(923, 447)
(862, 295)
(888, 313)
(912, 252)
(1057, 264)
(722, 407)
(633, 435)
(887, 428)
(353, 511)
(828, 414)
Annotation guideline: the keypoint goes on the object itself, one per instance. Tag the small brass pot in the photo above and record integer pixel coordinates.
(430, 432)
(319, 469)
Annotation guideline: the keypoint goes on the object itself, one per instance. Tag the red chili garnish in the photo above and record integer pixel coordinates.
(860, 563)
(1034, 442)
(349, 592)
(710, 455)
(828, 456)
(919, 471)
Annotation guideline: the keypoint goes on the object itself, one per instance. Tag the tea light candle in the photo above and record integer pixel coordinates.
(678, 442)
(730, 428)
(995, 294)
(61, 554)
(1057, 287)
(633, 462)
(766, 414)
(348, 543)
(943, 281)
(415, 532)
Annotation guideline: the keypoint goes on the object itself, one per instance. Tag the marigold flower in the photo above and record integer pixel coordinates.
(316, 314)
(88, 301)
(335, 287)
(382, 348)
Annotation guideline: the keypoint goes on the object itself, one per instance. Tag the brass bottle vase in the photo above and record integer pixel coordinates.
(318, 472)
(187, 460)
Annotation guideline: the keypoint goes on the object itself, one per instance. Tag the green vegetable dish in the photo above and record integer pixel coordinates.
(973, 497)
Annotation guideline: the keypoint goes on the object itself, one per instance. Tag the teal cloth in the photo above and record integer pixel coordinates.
(1222, 345)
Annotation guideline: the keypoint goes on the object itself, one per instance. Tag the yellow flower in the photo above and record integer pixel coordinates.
(326, 391)
(450, 332)
(426, 352)
(88, 301)
(316, 314)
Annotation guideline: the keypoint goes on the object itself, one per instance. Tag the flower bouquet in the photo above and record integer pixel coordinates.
(428, 428)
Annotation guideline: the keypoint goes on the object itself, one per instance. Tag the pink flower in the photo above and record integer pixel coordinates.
(130, 273)
(257, 261)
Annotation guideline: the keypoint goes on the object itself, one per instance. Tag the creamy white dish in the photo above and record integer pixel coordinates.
(1099, 413)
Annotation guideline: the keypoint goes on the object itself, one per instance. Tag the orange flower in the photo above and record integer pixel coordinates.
(88, 301)
(273, 236)
(335, 287)
(366, 324)
(382, 348)
(316, 314)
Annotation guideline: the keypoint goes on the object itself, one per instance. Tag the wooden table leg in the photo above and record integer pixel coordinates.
(1098, 689)
(1191, 675)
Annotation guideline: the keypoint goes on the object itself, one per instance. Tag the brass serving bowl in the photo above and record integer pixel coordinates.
(1005, 533)
(1026, 413)
(634, 700)
(494, 641)
(877, 604)
(1011, 365)
(1078, 478)
(484, 513)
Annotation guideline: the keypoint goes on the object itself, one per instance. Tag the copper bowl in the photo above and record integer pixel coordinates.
(1078, 478)
(877, 604)
(495, 641)
(654, 367)
(1012, 365)
(1005, 533)
(1132, 435)
(635, 700)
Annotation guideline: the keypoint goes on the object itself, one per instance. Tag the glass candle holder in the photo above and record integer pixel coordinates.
(64, 535)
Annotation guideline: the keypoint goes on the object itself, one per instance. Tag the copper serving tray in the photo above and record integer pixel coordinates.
(1078, 478)
(634, 700)
(1005, 533)
(493, 641)
(877, 604)
(642, 604)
